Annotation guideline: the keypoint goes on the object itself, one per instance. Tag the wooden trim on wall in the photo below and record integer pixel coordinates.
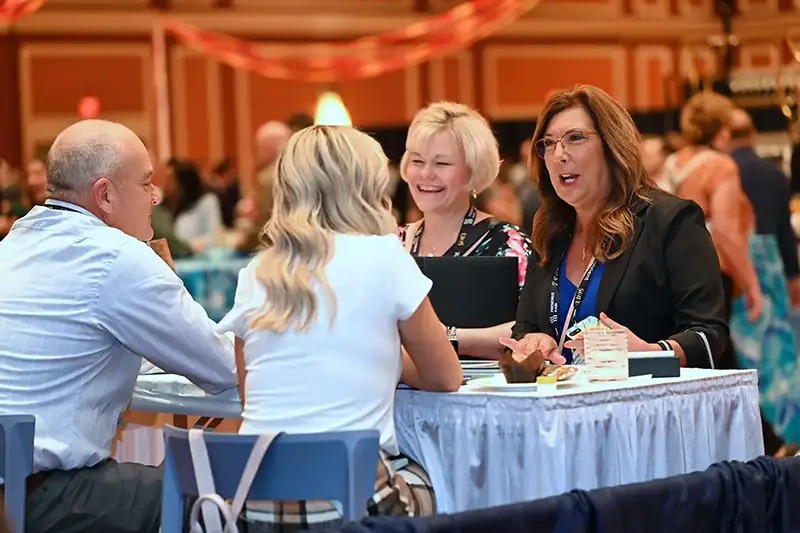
(413, 91)
(748, 51)
(642, 55)
(437, 84)
(689, 52)
(177, 101)
(216, 142)
(563, 20)
(244, 138)
(492, 53)
(690, 10)
(610, 10)
(658, 9)
(767, 7)
(44, 126)
(10, 131)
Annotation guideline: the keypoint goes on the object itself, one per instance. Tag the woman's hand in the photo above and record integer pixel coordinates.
(635, 344)
(532, 342)
(753, 301)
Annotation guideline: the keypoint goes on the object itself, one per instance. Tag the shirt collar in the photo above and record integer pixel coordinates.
(70, 205)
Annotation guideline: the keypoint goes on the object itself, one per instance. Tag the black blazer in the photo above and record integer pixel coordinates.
(665, 285)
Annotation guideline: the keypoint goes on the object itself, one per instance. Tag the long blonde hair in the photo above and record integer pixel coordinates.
(329, 179)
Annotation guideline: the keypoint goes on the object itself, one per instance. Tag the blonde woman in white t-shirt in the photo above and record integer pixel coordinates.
(320, 315)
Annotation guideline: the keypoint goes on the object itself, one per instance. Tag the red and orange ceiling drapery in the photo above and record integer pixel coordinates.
(329, 62)
(12, 10)
(364, 57)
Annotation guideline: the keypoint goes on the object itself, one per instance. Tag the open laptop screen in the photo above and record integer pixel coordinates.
(472, 292)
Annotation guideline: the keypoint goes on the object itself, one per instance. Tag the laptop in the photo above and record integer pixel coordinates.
(472, 292)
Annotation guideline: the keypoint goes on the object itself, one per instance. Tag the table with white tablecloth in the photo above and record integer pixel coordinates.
(483, 449)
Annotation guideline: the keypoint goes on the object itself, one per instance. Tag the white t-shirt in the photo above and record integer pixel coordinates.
(339, 377)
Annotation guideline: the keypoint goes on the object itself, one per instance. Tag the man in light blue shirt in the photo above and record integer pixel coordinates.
(82, 300)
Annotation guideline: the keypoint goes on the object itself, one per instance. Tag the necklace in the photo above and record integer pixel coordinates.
(584, 254)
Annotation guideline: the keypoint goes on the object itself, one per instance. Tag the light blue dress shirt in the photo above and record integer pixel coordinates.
(80, 304)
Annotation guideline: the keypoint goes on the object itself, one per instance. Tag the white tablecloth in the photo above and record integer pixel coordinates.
(485, 449)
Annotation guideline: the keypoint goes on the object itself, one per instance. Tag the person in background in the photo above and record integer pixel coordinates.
(501, 199)
(163, 220)
(198, 219)
(299, 121)
(794, 159)
(36, 182)
(654, 154)
(607, 243)
(6, 186)
(329, 301)
(224, 183)
(271, 138)
(6, 217)
(255, 208)
(769, 345)
(527, 191)
(768, 191)
(452, 156)
(82, 300)
(702, 171)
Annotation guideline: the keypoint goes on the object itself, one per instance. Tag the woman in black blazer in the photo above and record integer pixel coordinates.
(609, 244)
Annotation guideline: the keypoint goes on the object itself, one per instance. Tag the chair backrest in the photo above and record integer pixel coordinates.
(340, 466)
(16, 452)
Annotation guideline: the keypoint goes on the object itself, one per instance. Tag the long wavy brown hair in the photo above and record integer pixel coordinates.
(610, 232)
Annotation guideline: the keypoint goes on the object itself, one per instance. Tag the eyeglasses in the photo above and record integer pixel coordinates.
(546, 147)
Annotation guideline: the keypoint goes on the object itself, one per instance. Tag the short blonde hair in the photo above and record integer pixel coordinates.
(329, 180)
(704, 116)
(469, 130)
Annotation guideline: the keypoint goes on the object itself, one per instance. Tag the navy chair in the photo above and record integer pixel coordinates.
(339, 466)
(16, 450)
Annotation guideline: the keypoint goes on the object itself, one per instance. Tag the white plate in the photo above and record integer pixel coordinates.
(479, 364)
(498, 382)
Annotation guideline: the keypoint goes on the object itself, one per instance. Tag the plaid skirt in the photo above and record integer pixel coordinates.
(404, 490)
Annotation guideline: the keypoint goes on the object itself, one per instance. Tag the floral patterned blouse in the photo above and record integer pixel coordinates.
(502, 240)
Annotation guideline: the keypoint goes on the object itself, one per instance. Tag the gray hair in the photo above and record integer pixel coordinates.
(272, 129)
(74, 167)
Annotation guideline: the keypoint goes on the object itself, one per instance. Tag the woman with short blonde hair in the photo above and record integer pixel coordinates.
(320, 314)
(451, 157)
(472, 135)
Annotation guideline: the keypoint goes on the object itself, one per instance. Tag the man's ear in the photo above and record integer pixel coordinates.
(103, 193)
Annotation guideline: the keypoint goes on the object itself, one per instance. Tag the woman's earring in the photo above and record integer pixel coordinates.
(473, 194)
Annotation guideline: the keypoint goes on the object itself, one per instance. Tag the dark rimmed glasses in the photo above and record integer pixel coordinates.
(546, 146)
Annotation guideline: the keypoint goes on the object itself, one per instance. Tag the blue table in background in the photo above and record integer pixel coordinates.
(212, 282)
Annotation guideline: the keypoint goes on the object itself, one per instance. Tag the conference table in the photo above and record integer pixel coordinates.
(491, 447)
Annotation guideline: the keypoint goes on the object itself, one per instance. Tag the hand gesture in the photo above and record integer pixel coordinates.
(532, 342)
(635, 344)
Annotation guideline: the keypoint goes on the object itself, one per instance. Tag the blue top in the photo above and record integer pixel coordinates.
(566, 292)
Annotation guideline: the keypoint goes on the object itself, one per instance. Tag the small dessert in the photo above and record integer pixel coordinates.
(558, 372)
(520, 369)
